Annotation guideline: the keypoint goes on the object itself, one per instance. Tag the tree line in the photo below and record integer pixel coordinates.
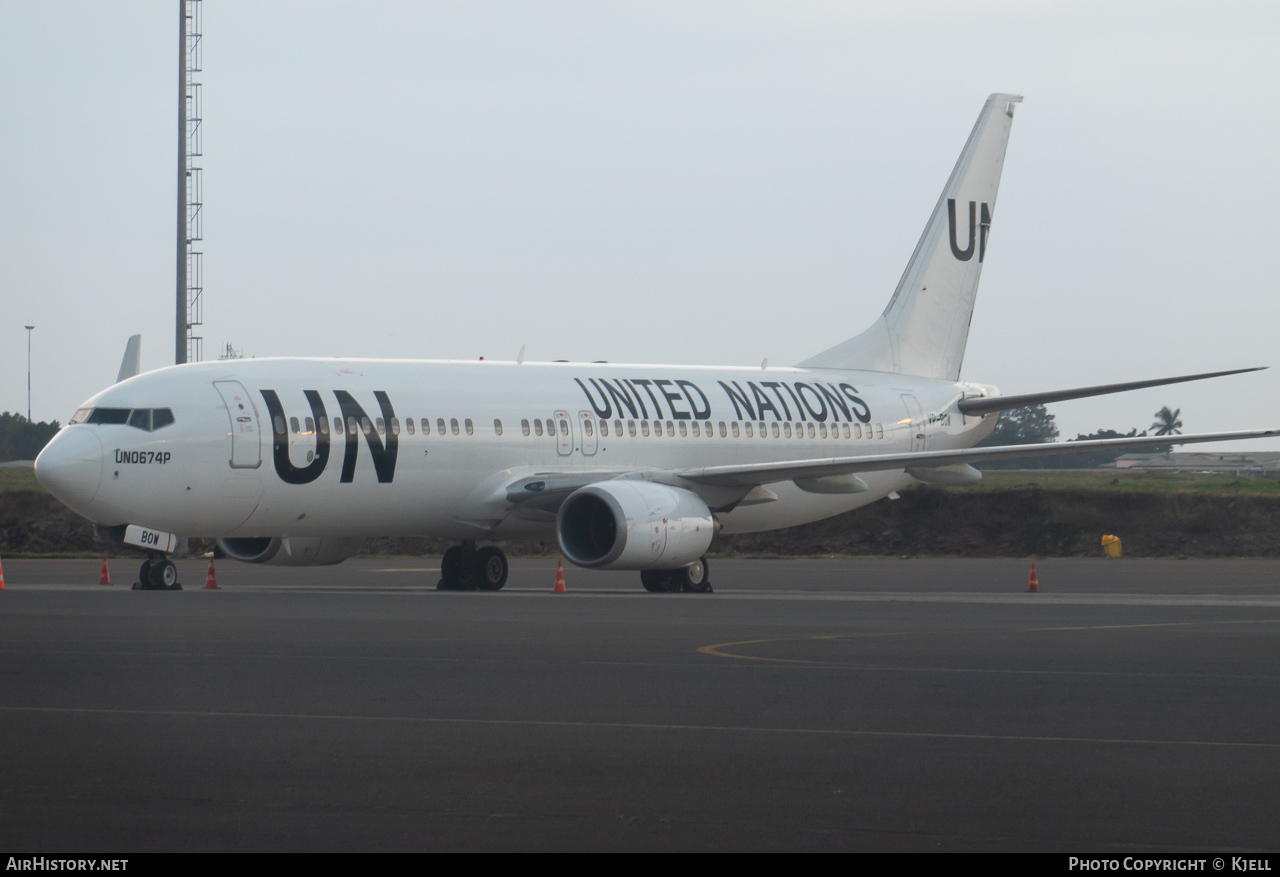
(22, 439)
(1034, 425)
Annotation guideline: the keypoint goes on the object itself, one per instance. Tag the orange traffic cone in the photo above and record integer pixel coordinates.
(1, 575)
(211, 580)
(1034, 586)
(105, 577)
(559, 588)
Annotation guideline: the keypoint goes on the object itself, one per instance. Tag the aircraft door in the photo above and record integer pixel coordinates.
(589, 439)
(564, 434)
(246, 438)
(917, 422)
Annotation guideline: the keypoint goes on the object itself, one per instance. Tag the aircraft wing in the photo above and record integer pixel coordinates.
(545, 491)
(767, 473)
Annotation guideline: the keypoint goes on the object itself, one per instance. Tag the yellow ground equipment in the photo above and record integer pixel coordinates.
(1111, 545)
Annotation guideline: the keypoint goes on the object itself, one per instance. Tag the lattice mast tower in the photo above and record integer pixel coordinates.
(190, 285)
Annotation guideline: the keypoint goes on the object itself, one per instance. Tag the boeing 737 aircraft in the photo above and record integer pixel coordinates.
(633, 467)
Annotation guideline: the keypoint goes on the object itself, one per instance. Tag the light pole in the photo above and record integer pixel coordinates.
(29, 328)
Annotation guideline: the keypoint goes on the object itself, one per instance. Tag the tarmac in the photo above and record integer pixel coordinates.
(847, 704)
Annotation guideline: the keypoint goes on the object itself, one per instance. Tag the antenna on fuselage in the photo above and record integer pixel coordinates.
(520, 356)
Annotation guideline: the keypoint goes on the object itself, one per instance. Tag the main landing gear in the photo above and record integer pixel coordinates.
(157, 574)
(467, 568)
(692, 579)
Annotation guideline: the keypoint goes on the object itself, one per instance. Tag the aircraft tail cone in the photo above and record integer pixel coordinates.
(104, 578)
(559, 588)
(1, 575)
(211, 580)
(1033, 587)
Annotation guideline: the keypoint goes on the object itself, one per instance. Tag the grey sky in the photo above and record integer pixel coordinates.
(702, 183)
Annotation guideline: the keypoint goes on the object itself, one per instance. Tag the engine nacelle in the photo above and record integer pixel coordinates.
(633, 525)
(290, 550)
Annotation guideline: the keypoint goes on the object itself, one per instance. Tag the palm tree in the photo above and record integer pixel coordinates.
(1167, 422)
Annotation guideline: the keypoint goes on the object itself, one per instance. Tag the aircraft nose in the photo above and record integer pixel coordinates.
(70, 467)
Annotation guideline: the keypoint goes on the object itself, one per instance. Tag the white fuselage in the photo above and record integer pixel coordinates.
(220, 469)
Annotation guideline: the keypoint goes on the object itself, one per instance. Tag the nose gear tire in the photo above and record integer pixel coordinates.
(163, 576)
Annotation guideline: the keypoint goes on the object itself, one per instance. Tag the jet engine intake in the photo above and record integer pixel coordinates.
(290, 550)
(633, 525)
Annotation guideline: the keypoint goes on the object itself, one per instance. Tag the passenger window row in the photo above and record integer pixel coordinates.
(369, 426)
(697, 429)
(551, 427)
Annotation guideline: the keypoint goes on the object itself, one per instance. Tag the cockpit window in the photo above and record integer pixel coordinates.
(109, 415)
(146, 419)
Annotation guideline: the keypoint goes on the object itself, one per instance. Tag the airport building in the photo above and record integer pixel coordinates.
(1250, 465)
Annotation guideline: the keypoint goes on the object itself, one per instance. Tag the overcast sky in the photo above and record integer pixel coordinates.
(648, 182)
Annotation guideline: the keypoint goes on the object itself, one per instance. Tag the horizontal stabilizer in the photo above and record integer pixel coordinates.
(979, 405)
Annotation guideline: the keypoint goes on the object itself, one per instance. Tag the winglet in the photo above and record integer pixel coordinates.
(980, 405)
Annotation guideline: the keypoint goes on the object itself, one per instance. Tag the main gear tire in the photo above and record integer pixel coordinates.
(491, 568)
(659, 581)
(695, 578)
(449, 564)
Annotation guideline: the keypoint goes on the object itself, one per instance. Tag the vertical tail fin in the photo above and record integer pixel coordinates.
(132, 362)
(924, 329)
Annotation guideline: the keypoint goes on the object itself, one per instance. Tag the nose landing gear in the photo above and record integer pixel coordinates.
(157, 573)
(466, 568)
